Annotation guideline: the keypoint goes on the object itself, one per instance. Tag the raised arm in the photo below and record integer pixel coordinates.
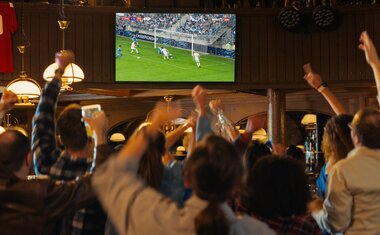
(44, 146)
(315, 81)
(120, 191)
(99, 126)
(254, 123)
(372, 58)
(8, 100)
(217, 108)
(173, 136)
(199, 95)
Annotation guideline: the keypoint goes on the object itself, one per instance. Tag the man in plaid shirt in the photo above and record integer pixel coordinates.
(76, 160)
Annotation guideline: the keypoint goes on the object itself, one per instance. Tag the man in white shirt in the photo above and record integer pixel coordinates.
(196, 58)
(352, 204)
(134, 48)
(166, 53)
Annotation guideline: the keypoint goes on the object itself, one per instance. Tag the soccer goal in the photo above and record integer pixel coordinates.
(174, 39)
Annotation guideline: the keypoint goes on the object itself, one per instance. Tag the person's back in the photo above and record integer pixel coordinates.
(352, 203)
(360, 170)
(33, 206)
(77, 158)
(213, 170)
(276, 192)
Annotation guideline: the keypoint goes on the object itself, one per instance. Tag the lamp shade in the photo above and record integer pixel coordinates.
(309, 119)
(260, 135)
(73, 73)
(117, 137)
(25, 87)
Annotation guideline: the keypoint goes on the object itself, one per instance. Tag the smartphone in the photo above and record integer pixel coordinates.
(90, 111)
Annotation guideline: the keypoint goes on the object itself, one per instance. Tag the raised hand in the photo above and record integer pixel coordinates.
(136, 146)
(8, 100)
(199, 95)
(369, 49)
(64, 58)
(216, 105)
(255, 123)
(99, 124)
(164, 112)
(312, 78)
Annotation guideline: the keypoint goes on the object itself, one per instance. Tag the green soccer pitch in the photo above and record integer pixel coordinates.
(149, 66)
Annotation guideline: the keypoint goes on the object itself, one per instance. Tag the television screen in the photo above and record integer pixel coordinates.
(171, 47)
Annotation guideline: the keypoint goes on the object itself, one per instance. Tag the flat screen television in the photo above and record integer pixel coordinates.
(175, 47)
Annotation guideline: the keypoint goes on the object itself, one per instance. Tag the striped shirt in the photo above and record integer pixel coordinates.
(50, 160)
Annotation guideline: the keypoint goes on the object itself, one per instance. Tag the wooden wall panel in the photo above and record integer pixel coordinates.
(267, 55)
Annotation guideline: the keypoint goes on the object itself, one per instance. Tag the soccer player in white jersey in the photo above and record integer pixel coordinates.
(196, 58)
(166, 53)
(134, 48)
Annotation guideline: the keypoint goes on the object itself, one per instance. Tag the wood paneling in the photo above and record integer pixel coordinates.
(267, 55)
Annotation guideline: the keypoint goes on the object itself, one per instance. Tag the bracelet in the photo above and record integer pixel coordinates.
(321, 87)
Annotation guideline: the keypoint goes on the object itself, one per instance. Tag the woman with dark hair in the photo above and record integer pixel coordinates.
(213, 171)
(151, 168)
(277, 193)
(336, 144)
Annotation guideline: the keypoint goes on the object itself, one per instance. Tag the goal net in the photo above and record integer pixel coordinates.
(163, 37)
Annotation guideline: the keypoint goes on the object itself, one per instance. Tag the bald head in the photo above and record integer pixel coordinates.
(14, 147)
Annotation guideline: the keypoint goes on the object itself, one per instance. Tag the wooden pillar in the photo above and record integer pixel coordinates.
(276, 116)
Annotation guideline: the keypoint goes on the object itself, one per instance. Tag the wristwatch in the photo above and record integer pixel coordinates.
(321, 87)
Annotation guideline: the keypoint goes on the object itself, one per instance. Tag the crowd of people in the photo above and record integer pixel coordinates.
(224, 185)
(204, 25)
(147, 21)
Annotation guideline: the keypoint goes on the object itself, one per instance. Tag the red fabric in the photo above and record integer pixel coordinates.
(8, 25)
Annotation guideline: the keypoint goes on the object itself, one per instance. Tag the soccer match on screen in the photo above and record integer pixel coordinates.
(170, 47)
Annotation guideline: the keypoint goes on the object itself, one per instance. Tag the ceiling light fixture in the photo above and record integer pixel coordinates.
(24, 87)
(73, 73)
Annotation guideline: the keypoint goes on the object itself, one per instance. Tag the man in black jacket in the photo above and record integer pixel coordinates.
(34, 206)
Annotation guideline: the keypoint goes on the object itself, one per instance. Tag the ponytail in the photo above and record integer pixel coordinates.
(212, 220)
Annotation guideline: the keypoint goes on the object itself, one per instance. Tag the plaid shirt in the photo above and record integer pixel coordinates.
(295, 225)
(58, 164)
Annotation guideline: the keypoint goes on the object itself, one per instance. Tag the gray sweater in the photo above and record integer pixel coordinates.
(136, 209)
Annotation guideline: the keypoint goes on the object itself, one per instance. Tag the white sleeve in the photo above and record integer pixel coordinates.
(336, 214)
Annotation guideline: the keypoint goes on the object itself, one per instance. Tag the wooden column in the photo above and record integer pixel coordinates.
(276, 116)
